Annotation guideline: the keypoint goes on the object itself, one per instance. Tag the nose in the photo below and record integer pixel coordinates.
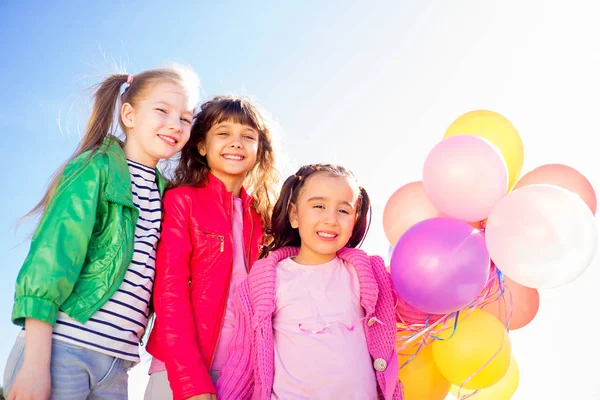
(236, 142)
(331, 217)
(174, 124)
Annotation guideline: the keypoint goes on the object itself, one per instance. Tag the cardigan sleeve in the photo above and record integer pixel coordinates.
(236, 380)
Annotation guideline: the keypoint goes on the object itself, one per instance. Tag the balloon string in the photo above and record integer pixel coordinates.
(424, 333)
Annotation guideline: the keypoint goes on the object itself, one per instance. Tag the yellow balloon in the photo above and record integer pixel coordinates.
(502, 390)
(420, 377)
(472, 349)
(499, 131)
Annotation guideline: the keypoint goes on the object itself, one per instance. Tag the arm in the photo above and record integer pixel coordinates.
(33, 379)
(236, 379)
(187, 373)
(59, 245)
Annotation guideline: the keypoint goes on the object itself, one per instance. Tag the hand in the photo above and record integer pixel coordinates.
(31, 383)
(205, 396)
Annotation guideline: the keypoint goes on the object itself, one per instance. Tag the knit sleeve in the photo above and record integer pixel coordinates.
(236, 377)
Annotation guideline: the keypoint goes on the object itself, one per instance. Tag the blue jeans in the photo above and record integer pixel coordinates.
(76, 373)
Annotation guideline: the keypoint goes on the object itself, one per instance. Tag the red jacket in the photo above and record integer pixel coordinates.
(193, 272)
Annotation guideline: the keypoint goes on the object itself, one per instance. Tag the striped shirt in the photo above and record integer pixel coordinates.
(117, 327)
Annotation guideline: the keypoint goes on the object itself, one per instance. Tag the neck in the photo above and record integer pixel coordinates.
(233, 184)
(134, 153)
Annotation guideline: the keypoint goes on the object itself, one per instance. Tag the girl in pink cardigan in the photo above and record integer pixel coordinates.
(315, 319)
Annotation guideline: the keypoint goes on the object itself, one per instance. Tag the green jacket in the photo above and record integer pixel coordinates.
(84, 243)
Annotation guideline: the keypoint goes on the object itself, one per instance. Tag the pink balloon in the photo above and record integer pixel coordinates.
(407, 206)
(465, 176)
(440, 265)
(563, 176)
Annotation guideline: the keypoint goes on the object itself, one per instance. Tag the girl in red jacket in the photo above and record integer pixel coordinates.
(212, 232)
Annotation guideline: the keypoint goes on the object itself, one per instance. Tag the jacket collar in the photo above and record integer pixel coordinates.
(218, 188)
(369, 290)
(118, 188)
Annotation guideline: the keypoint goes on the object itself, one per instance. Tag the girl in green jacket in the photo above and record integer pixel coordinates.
(83, 291)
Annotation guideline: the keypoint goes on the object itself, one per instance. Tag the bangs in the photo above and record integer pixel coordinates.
(239, 112)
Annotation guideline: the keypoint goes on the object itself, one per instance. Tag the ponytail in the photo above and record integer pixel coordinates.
(101, 124)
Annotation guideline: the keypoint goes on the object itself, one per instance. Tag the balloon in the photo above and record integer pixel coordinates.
(480, 347)
(563, 176)
(541, 236)
(499, 131)
(525, 305)
(407, 206)
(464, 177)
(440, 265)
(504, 389)
(420, 377)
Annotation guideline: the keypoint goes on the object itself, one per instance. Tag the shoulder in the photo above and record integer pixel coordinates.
(182, 194)
(88, 166)
(263, 270)
(377, 263)
(262, 267)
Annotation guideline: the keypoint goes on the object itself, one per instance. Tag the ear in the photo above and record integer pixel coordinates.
(202, 149)
(127, 115)
(293, 215)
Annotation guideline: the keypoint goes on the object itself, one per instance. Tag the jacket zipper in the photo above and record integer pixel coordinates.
(249, 244)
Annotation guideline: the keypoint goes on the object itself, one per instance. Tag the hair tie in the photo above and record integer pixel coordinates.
(129, 79)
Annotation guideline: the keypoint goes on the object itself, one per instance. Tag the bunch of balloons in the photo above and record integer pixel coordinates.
(471, 244)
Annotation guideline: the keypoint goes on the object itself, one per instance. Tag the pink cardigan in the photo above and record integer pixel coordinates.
(248, 371)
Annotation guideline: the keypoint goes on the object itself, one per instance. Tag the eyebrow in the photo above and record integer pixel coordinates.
(227, 124)
(321, 198)
(169, 105)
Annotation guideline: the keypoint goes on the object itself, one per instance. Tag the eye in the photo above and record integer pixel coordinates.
(186, 120)
(162, 110)
(344, 211)
(249, 137)
(222, 134)
(319, 206)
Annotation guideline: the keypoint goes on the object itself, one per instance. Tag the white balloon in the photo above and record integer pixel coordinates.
(541, 236)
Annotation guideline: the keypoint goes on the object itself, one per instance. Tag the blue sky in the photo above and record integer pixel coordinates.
(372, 86)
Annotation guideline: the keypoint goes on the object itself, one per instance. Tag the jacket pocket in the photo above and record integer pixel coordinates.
(208, 245)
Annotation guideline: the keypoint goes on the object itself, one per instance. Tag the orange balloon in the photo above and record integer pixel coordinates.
(406, 207)
(420, 377)
(563, 176)
(525, 305)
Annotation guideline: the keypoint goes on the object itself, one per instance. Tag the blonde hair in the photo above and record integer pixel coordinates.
(107, 96)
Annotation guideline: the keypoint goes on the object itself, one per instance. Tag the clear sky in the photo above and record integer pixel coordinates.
(371, 86)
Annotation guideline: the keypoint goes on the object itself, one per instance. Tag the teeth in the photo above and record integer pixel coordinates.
(327, 235)
(232, 157)
(168, 139)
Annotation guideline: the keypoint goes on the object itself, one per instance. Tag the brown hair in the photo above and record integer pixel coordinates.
(260, 182)
(281, 229)
(101, 124)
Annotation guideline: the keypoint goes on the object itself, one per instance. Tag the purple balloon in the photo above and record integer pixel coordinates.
(440, 265)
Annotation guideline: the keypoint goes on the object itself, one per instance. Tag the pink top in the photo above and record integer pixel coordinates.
(249, 371)
(238, 274)
(318, 317)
